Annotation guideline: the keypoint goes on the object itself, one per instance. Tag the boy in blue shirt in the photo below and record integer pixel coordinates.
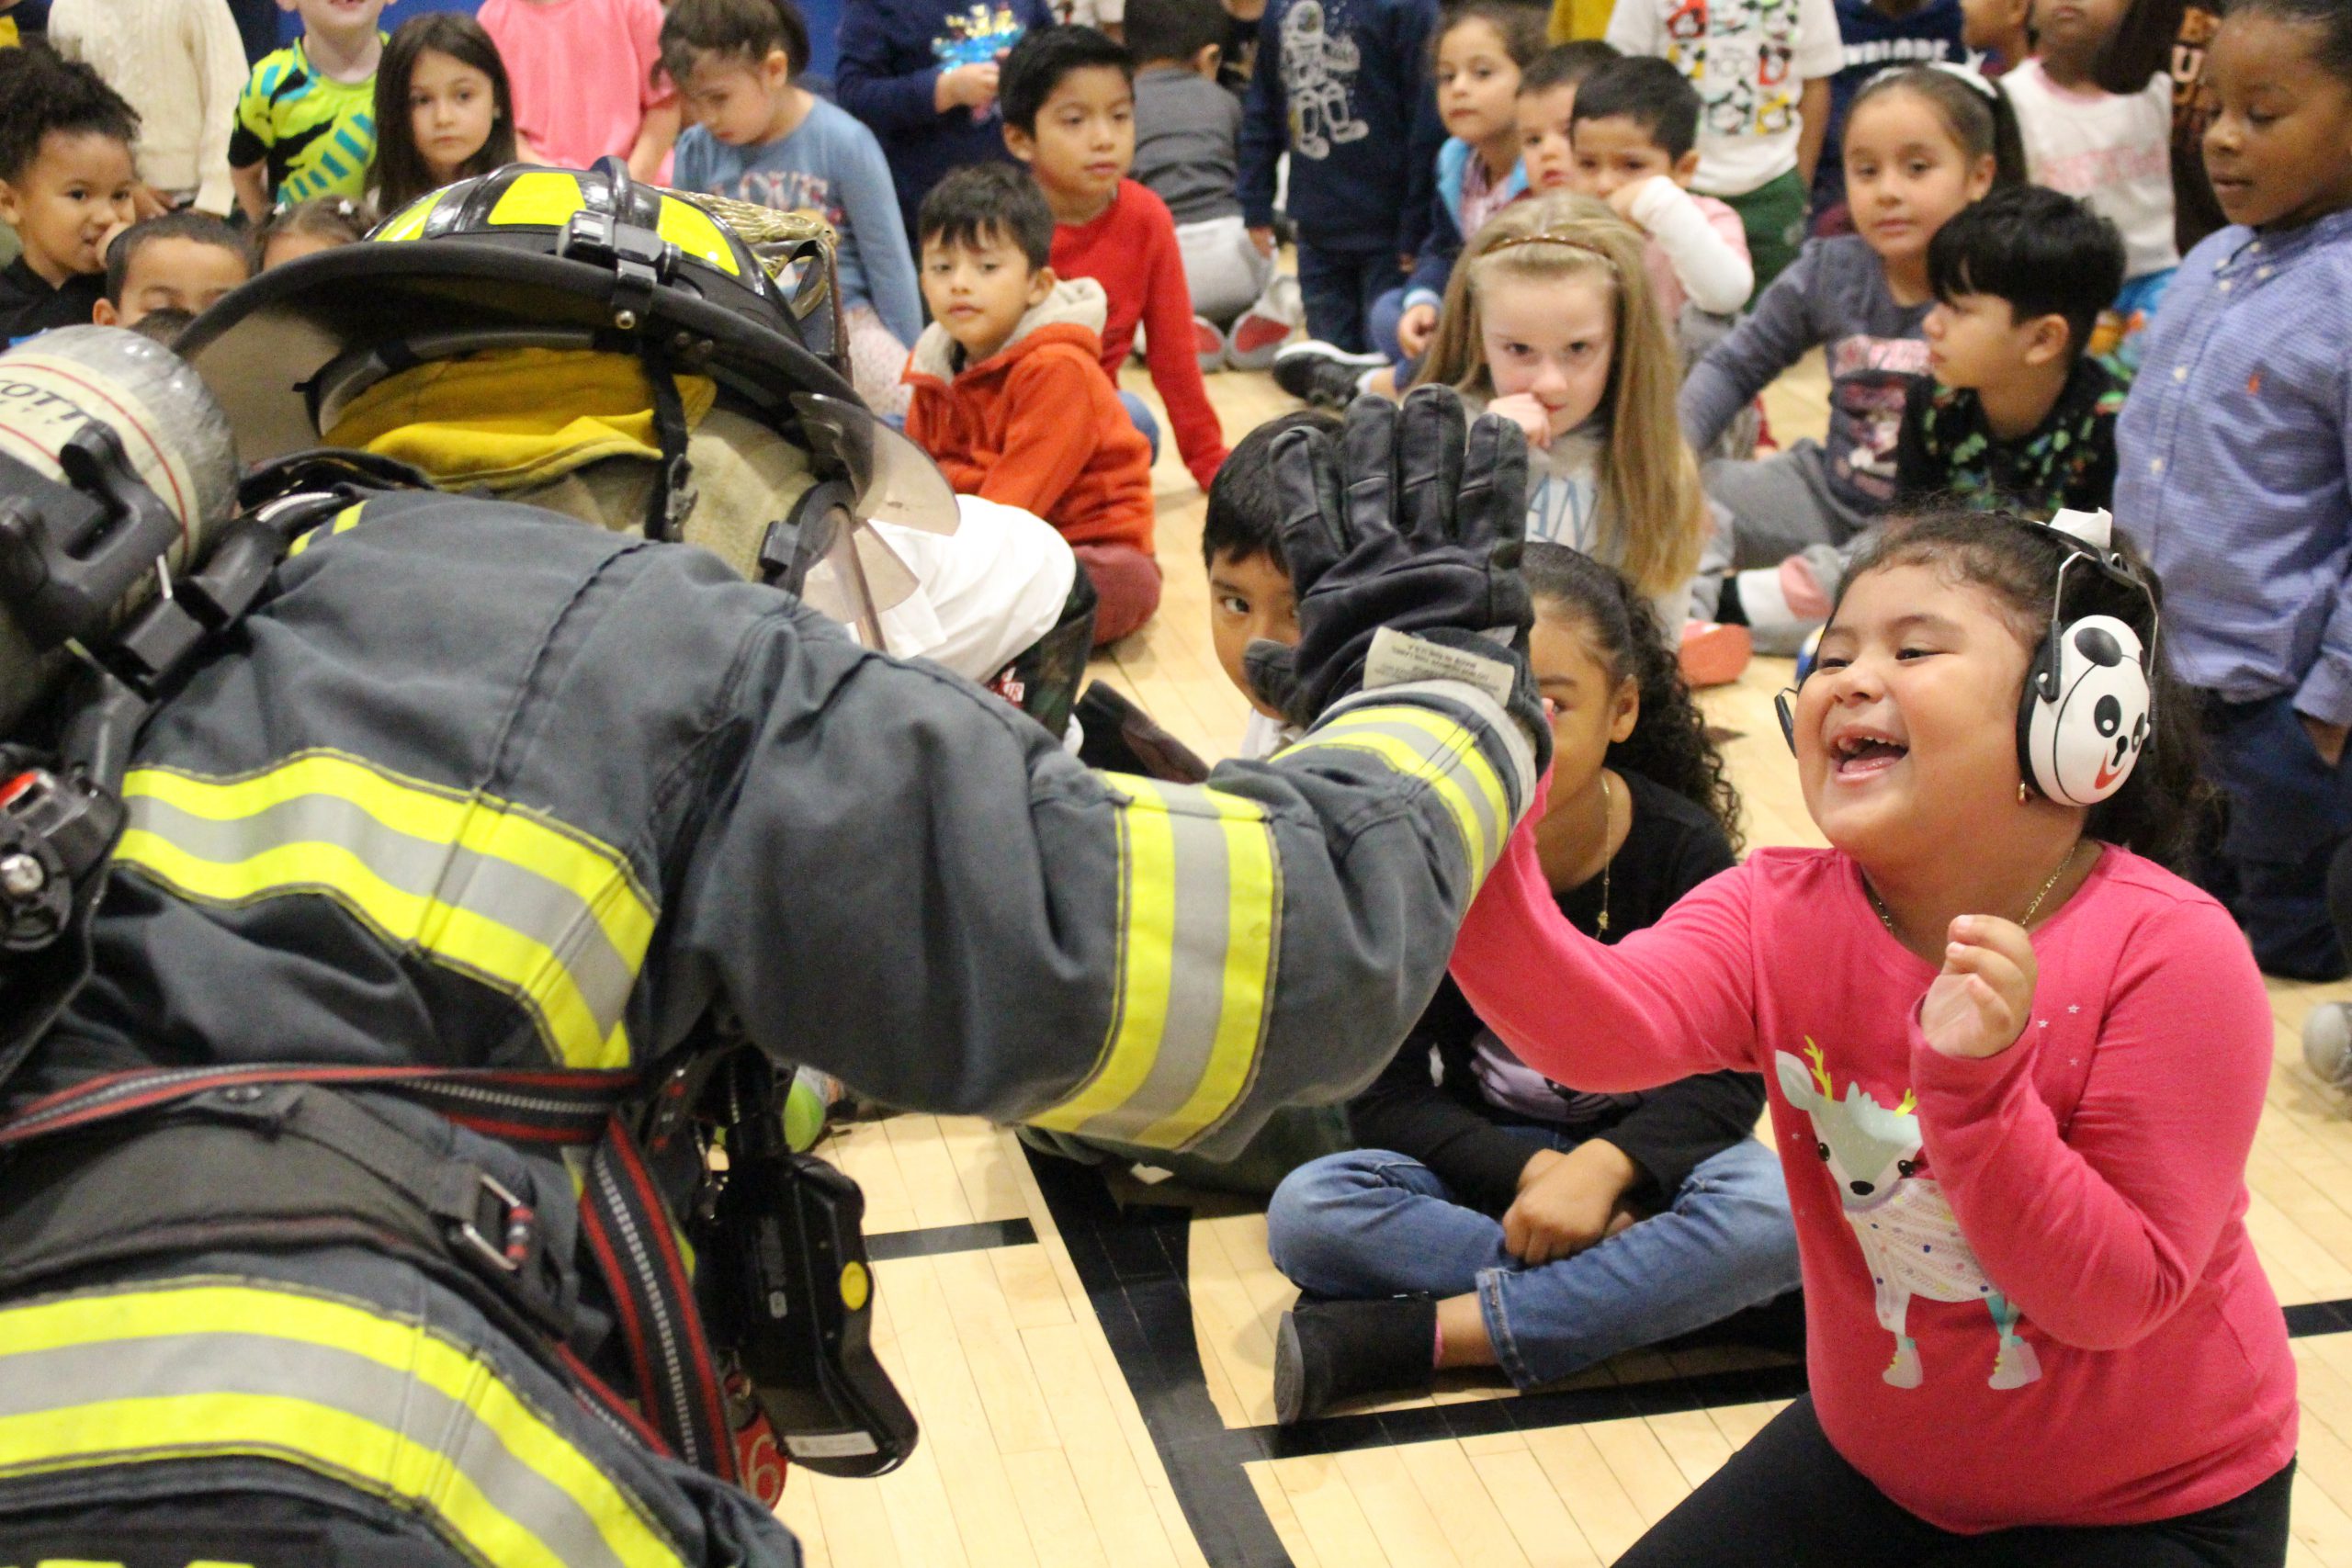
(1343, 85)
(759, 137)
(2233, 477)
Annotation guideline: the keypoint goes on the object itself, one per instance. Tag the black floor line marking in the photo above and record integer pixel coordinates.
(1519, 1413)
(929, 1242)
(1133, 1264)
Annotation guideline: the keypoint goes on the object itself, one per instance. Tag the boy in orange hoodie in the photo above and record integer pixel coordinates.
(1009, 394)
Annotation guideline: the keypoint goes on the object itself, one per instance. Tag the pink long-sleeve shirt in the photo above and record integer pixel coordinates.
(2091, 1178)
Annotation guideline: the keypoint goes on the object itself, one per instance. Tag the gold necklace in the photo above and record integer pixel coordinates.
(1607, 859)
(1887, 919)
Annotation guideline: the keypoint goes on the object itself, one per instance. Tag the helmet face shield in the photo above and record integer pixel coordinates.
(838, 585)
(895, 481)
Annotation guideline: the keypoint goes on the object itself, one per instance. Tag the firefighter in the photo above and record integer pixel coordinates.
(335, 1198)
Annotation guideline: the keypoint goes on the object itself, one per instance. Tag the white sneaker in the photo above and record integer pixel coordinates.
(1263, 328)
(2327, 1043)
(1208, 345)
(1324, 374)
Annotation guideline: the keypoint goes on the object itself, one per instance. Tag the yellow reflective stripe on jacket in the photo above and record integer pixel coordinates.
(342, 522)
(1200, 909)
(536, 910)
(204, 1370)
(1424, 744)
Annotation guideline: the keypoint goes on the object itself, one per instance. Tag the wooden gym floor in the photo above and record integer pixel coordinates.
(1093, 1373)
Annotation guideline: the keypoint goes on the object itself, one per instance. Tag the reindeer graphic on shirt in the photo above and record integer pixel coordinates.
(1909, 1237)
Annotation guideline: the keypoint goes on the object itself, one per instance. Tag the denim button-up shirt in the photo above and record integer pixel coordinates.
(2231, 457)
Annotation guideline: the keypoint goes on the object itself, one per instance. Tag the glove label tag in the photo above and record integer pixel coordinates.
(1400, 658)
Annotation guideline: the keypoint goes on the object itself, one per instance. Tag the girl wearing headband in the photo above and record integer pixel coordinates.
(1550, 320)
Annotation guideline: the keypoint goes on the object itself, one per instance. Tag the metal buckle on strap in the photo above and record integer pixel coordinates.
(639, 260)
(498, 1213)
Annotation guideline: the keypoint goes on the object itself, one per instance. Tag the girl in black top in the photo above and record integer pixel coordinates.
(1493, 1217)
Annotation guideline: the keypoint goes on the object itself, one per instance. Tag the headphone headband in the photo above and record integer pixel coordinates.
(2087, 537)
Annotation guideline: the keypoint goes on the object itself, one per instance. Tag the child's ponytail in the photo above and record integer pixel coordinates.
(1972, 107)
(1653, 520)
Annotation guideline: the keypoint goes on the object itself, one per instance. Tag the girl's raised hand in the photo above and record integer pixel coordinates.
(1980, 1003)
(1526, 411)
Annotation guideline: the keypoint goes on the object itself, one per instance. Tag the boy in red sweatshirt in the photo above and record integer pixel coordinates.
(1010, 395)
(1069, 107)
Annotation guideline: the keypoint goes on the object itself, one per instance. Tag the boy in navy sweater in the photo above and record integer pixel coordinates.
(922, 75)
(1344, 85)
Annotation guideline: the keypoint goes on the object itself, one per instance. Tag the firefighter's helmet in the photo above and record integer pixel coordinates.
(532, 260)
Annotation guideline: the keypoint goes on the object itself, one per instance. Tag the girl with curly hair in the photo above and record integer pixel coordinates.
(1493, 1217)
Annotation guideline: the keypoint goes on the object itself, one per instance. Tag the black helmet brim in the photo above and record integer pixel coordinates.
(260, 347)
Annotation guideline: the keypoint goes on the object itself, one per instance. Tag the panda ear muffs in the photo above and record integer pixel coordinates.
(2084, 717)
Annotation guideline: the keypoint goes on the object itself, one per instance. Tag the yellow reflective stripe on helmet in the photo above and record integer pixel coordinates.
(543, 197)
(545, 914)
(408, 223)
(694, 232)
(1423, 744)
(342, 522)
(205, 1369)
(1200, 900)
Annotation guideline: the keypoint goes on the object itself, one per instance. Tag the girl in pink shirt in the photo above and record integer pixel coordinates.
(2014, 1069)
(586, 80)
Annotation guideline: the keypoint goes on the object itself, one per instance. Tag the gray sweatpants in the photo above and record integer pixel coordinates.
(1766, 510)
(1223, 270)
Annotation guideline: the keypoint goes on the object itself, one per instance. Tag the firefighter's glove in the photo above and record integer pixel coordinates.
(1411, 521)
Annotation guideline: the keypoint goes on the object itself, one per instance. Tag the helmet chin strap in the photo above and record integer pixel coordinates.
(673, 490)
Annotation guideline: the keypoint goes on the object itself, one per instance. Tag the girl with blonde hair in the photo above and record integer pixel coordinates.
(1550, 320)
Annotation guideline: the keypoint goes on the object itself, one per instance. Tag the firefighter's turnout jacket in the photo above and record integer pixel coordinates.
(477, 787)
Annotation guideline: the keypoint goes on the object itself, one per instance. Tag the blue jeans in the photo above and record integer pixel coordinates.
(1370, 1223)
(1140, 412)
(2288, 810)
(1340, 289)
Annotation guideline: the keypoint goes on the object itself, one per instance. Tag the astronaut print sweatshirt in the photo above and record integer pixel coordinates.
(2029, 1295)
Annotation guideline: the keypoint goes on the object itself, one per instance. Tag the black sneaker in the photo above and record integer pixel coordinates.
(1321, 373)
(1328, 1353)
